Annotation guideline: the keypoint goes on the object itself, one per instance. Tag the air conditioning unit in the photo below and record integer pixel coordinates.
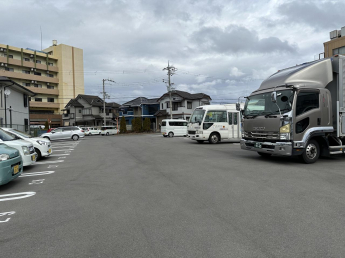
(32, 81)
(1, 49)
(35, 81)
(31, 55)
(47, 83)
(2, 64)
(32, 69)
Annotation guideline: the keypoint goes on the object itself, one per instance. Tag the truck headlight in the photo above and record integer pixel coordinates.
(4, 157)
(26, 150)
(198, 132)
(285, 129)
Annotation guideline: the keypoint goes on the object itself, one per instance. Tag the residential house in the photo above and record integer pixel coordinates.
(183, 104)
(139, 107)
(14, 102)
(87, 110)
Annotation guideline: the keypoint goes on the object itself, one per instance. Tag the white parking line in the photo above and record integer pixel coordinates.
(37, 173)
(16, 196)
(48, 162)
(59, 155)
(62, 150)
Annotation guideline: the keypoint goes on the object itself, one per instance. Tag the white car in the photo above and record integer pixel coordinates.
(107, 130)
(26, 149)
(91, 130)
(42, 145)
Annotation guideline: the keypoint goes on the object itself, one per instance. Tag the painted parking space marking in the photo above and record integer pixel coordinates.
(16, 196)
(59, 155)
(53, 166)
(37, 173)
(37, 182)
(62, 150)
(9, 213)
(48, 162)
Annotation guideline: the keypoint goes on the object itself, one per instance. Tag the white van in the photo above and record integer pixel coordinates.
(174, 127)
(107, 130)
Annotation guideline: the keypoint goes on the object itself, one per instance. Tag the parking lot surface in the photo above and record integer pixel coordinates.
(149, 196)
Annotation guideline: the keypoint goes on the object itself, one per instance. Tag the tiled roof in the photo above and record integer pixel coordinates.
(90, 99)
(187, 95)
(139, 101)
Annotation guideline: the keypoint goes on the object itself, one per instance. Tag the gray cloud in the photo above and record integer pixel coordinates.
(237, 39)
(317, 14)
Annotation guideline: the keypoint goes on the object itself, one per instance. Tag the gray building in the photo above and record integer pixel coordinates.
(87, 110)
(14, 104)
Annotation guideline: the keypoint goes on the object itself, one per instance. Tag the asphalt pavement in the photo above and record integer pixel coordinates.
(149, 196)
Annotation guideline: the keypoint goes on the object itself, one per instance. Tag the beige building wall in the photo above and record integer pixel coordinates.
(333, 44)
(71, 71)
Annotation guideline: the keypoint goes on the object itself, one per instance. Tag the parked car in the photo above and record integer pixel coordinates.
(91, 130)
(63, 133)
(174, 127)
(42, 145)
(107, 130)
(25, 148)
(11, 164)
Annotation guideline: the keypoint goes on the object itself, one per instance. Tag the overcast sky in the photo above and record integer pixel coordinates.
(221, 48)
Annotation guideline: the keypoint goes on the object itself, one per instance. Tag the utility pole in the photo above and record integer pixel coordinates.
(171, 71)
(104, 95)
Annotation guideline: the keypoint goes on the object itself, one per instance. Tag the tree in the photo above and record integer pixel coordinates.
(147, 125)
(123, 127)
(46, 125)
(136, 125)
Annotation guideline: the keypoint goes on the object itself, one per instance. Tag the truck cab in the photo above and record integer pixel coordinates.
(298, 111)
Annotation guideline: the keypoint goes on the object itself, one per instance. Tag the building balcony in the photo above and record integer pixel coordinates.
(36, 104)
(30, 77)
(18, 62)
(44, 91)
(68, 116)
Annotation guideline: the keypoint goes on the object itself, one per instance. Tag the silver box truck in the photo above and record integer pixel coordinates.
(298, 111)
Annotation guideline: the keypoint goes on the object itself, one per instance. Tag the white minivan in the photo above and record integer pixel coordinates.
(107, 130)
(26, 149)
(174, 127)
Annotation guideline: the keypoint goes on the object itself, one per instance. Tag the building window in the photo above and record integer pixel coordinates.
(50, 99)
(10, 56)
(26, 59)
(79, 111)
(38, 99)
(189, 105)
(162, 106)
(26, 123)
(38, 85)
(27, 84)
(168, 104)
(50, 75)
(50, 87)
(50, 64)
(25, 100)
(37, 73)
(26, 71)
(38, 61)
(29, 98)
(339, 51)
(175, 106)
(9, 69)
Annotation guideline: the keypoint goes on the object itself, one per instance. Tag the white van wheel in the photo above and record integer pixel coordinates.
(107, 133)
(171, 134)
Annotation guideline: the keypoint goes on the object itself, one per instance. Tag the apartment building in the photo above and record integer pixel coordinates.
(55, 75)
(336, 45)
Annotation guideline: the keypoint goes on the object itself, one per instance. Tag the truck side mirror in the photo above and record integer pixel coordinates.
(238, 106)
(274, 97)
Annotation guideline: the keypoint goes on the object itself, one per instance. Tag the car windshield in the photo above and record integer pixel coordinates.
(197, 116)
(262, 104)
(20, 133)
(4, 136)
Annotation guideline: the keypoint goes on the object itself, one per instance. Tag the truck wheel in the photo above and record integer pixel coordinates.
(214, 138)
(198, 141)
(263, 154)
(311, 152)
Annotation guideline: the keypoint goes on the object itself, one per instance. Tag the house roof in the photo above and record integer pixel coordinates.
(90, 99)
(112, 104)
(187, 95)
(139, 101)
(73, 103)
(8, 82)
(162, 112)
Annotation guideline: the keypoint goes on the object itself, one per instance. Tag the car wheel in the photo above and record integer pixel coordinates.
(39, 155)
(311, 152)
(108, 134)
(198, 141)
(214, 138)
(263, 154)
(99, 134)
(75, 137)
(171, 134)
(46, 137)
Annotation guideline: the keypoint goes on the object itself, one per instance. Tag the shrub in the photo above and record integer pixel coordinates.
(147, 125)
(123, 127)
(136, 125)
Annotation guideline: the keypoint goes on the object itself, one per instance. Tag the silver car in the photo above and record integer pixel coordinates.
(63, 133)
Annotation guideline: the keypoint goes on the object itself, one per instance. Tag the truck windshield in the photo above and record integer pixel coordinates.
(197, 116)
(261, 104)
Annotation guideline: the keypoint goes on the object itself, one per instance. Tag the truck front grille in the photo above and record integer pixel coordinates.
(191, 132)
(261, 135)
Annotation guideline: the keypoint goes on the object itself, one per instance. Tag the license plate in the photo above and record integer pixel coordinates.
(258, 145)
(50, 151)
(15, 169)
(33, 157)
